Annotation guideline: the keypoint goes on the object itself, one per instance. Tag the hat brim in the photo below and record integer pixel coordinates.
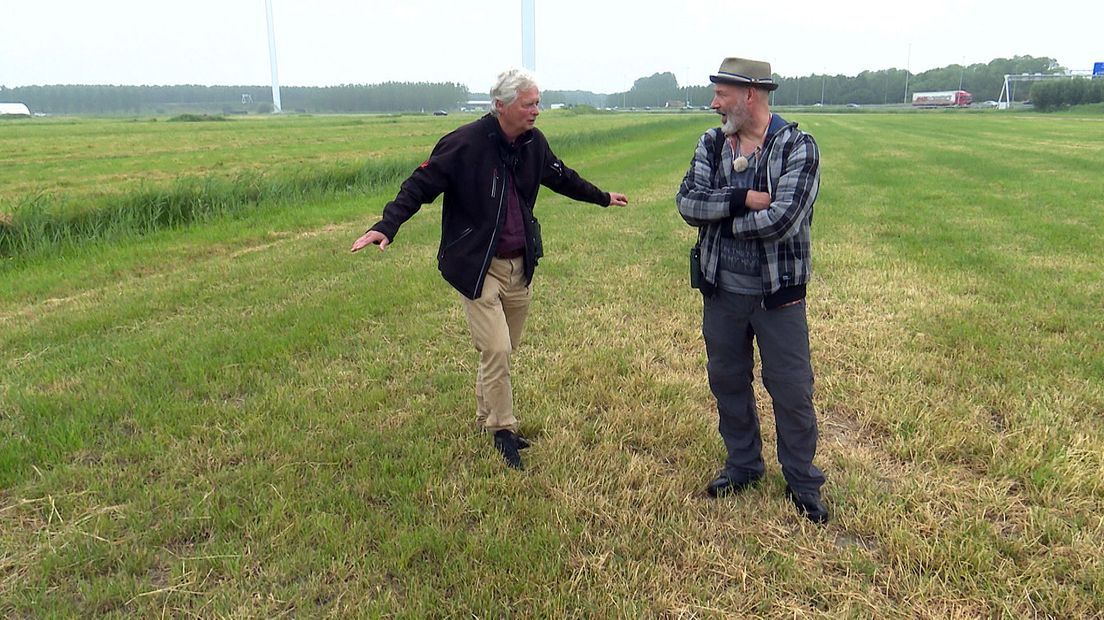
(736, 81)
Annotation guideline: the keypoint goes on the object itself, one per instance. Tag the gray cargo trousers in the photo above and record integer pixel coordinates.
(730, 323)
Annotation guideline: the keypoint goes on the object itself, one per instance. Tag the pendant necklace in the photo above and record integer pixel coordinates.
(740, 161)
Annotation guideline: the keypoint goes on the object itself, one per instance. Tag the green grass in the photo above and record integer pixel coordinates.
(42, 222)
(82, 158)
(236, 417)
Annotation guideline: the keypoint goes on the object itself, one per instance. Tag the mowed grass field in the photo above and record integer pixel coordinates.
(239, 418)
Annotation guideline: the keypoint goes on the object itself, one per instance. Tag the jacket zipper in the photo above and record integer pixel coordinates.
(494, 235)
(767, 150)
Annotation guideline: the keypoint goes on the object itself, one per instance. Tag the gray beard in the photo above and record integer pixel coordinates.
(729, 126)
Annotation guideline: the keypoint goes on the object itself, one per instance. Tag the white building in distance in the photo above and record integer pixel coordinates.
(14, 109)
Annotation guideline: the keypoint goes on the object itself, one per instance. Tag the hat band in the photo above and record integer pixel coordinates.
(744, 78)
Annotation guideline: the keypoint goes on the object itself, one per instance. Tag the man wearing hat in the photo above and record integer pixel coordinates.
(490, 171)
(750, 191)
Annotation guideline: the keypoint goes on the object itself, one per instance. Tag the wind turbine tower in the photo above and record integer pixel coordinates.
(528, 35)
(272, 60)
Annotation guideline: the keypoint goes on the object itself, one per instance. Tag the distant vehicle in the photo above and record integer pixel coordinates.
(853, 105)
(440, 113)
(942, 99)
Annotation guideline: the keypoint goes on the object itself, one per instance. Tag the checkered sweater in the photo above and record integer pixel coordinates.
(791, 175)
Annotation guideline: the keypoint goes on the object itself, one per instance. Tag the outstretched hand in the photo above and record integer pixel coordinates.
(370, 237)
(618, 200)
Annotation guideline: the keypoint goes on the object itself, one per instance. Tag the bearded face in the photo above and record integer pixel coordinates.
(731, 103)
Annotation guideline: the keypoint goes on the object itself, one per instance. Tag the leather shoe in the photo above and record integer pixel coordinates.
(724, 484)
(809, 504)
(506, 441)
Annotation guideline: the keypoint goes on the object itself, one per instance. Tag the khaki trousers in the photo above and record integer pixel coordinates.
(496, 321)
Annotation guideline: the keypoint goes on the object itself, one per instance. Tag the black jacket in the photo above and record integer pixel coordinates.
(469, 165)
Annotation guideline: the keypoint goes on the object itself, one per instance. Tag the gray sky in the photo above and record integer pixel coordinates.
(597, 45)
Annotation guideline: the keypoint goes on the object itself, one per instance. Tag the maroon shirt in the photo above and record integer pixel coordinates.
(512, 240)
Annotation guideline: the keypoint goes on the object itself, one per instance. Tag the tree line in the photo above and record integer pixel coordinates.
(1057, 94)
(984, 81)
(386, 97)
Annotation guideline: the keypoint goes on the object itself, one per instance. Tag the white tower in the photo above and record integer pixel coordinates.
(272, 60)
(528, 35)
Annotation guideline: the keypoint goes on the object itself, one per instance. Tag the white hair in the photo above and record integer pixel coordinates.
(509, 83)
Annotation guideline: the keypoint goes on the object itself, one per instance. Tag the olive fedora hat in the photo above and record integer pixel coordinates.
(744, 72)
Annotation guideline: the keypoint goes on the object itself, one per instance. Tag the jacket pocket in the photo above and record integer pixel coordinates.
(445, 248)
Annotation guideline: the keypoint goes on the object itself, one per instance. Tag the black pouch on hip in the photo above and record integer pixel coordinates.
(695, 267)
(697, 280)
(538, 242)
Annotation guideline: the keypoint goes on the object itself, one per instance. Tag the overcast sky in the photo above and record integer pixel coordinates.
(596, 45)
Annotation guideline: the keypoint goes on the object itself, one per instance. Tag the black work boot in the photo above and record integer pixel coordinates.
(808, 504)
(727, 484)
(506, 442)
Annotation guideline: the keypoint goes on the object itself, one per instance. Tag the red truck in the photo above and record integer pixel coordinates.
(942, 99)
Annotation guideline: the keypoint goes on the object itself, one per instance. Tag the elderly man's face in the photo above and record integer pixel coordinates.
(521, 115)
(731, 102)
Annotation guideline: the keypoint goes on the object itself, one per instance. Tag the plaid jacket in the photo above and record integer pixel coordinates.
(791, 175)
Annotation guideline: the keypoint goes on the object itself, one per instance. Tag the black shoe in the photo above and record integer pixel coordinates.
(809, 504)
(724, 484)
(507, 443)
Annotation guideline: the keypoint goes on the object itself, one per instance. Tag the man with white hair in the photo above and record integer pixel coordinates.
(490, 172)
(750, 191)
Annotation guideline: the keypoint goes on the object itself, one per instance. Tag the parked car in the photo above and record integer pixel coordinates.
(440, 113)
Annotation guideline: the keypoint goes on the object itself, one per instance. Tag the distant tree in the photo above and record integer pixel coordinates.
(1056, 94)
(652, 91)
(869, 87)
(575, 98)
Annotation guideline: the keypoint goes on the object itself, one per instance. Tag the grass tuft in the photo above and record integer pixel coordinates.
(197, 118)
